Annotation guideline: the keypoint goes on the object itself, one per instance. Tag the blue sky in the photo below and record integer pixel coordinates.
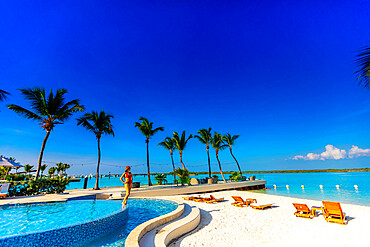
(279, 73)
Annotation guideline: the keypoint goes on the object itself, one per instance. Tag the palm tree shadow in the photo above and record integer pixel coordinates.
(206, 218)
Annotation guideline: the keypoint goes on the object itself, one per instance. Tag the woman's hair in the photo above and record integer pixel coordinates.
(127, 168)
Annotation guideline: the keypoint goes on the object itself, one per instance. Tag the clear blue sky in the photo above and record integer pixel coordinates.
(279, 73)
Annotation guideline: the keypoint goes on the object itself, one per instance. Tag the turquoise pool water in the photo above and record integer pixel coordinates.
(21, 219)
(139, 211)
(346, 180)
(25, 220)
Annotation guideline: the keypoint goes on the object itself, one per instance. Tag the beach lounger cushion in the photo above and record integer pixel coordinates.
(260, 206)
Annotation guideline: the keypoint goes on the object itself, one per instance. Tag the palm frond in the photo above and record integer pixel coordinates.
(3, 95)
(363, 64)
(24, 112)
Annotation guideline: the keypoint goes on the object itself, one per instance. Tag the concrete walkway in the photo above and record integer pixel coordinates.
(145, 191)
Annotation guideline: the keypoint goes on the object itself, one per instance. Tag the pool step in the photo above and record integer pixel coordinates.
(163, 235)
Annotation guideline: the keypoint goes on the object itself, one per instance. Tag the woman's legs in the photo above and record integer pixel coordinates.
(128, 190)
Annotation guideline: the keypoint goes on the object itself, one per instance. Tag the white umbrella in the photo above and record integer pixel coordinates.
(8, 163)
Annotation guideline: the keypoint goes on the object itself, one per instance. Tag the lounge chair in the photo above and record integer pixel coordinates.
(202, 199)
(249, 201)
(238, 201)
(191, 198)
(333, 212)
(303, 211)
(260, 206)
(213, 199)
(4, 190)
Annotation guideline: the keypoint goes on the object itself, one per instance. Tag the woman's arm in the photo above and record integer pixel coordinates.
(122, 177)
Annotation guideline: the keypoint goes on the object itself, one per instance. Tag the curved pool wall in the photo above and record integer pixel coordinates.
(73, 235)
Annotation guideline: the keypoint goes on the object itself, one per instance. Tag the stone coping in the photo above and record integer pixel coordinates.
(178, 228)
(135, 235)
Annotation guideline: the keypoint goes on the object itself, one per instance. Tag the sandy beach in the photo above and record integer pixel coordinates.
(225, 225)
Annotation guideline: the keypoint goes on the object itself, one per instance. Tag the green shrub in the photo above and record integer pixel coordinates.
(161, 178)
(13, 177)
(183, 174)
(39, 186)
(236, 176)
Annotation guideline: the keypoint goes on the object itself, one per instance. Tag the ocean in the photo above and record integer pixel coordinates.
(345, 193)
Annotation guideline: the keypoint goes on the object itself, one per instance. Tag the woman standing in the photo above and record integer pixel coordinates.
(128, 183)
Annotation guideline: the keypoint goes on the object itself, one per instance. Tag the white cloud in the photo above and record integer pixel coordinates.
(331, 153)
(355, 152)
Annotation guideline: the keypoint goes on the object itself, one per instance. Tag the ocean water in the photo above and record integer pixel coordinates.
(311, 181)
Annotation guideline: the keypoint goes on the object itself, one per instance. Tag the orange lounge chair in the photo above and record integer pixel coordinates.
(4, 190)
(213, 199)
(249, 201)
(333, 212)
(260, 206)
(303, 211)
(202, 199)
(191, 198)
(238, 201)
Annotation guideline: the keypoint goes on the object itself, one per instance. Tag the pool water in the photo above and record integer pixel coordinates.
(21, 219)
(139, 211)
(25, 220)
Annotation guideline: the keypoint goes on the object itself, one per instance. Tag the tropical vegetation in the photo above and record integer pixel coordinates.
(3, 95)
(161, 178)
(230, 140)
(49, 110)
(218, 145)
(38, 186)
(99, 124)
(169, 144)
(146, 128)
(180, 143)
(42, 169)
(205, 137)
(363, 64)
(183, 174)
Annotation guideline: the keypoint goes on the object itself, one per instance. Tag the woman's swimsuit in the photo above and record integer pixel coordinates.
(128, 176)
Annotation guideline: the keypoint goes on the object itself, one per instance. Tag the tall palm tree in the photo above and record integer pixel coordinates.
(230, 140)
(42, 168)
(48, 110)
(218, 145)
(180, 143)
(169, 144)
(98, 123)
(146, 128)
(205, 137)
(3, 95)
(363, 63)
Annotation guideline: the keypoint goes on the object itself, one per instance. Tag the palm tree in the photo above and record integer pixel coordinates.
(230, 140)
(48, 110)
(3, 95)
(27, 169)
(180, 143)
(363, 63)
(42, 168)
(51, 171)
(98, 123)
(59, 167)
(146, 128)
(217, 144)
(205, 137)
(169, 144)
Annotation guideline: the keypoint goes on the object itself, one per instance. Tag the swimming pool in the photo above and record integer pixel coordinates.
(77, 222)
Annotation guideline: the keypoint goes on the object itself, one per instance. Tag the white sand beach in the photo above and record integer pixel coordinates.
(225, 225)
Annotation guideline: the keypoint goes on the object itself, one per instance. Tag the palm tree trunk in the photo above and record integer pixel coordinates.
(236, 162)
(219, 164)
(42, 154)
(182, 163)
(173, 166)
(209, 163)
(97, 169)
(147, 161)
